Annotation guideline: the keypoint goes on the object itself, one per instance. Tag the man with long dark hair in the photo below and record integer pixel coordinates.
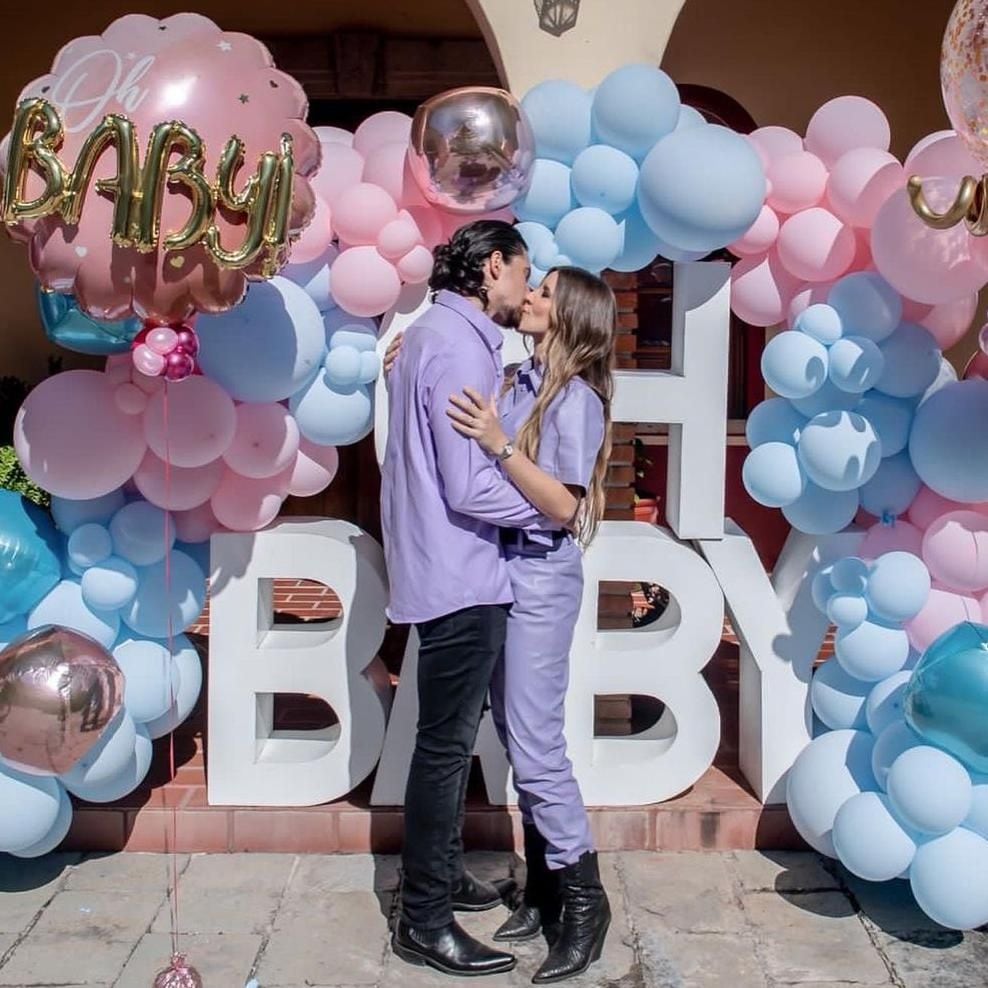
(443, 500)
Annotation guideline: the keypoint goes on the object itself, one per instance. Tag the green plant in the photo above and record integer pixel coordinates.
(13, 478)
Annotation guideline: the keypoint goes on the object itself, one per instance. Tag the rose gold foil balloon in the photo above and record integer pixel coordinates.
(472, 150)
(58, 691)
(178, 974)
(964, 74)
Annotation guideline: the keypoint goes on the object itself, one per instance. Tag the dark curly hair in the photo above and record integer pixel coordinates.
(459, 264)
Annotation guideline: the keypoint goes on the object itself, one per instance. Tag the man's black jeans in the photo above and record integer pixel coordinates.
(457, 653)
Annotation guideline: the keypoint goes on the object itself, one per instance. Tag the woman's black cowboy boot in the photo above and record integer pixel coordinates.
(541, 903)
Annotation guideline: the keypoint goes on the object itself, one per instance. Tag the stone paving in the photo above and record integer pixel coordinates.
(686, 920)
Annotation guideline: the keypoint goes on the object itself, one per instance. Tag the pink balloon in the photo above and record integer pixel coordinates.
(454, 221)
(385, 166)
(977, 367)
(775, 142)
(245, 504)
(362, 212)
(316, 238)
(955, 550)
(387, 127)
(799, 181)
(761, 289)
(863, 260)
(192, 425)
(761, 235)
(162, 339)
(913, 311)
(924, 264)
(900, 537)
(943, 609)
(130, 399)
(334, 135)
(73, 440)
(266, 440)
(179, 365)
(177, 488)
(928, 506)
(341, 169)
(148, 362)
(416, 266)
(119, 367)
(399, 237)
(430, 225)
(942, 153)
(846, 123)
(196, 524)
(860, 182)
(809, 294)
(364, 283)
(314, 470)
(950, 321)
(815, 245)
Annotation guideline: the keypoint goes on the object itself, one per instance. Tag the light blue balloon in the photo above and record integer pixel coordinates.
(68, 326)
(690, 117)
(189, 669)
(138, 530)
(591, 237)
(199, 552)
(29, 555)
(129, 777)
(839, 451)
(31, 804)
(856, 364)
(822, 512)
(912, 362)
(70, 515)
(537, 237)
(893, 488)
(892, 742)
(549, 196)
(55, 836)
(315, 278)
(850, 575)
(701, 188)
(829, 398)
(794, 365)
(606, 178)
(343, 367)
(930, 790)
(977, 817)
(546, 256)
(947, 878)
(868, 305)
(821, 589)
(340, 328)
(106, 758)
(634, 107)
(899, 586)
(330, 416)
(671, 253)
(151, 678)
(885, 702)
(65, 606)
(559, 113)
(946, 375)
(871, 651)
(110, 585)
(370, 367)
(88, 545)
(847, 610)
(891, 418)
(869, 840)
(774, 421)
(178, 595)
(12, 629)
(949, 455)
(772, 476)
(536, 276)
(826, 774)
(838, 699)
(822, 322)
(265, 348)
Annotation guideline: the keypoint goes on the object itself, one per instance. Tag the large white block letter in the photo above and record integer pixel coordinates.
(252, 659)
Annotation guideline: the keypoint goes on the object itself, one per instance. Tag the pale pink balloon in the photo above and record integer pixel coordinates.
(430, 225)
(316, 238)
(928, 506)
(774, 142)
(815, 245)
(245, 504)
(399, 237)
(341, 169)
(387, 127)
(942, 153)
(913, 311)
(900, 537)
(162, 339)
(977, 367)
(924, 264)
(191, 425)
(119, 367)
(955, 550)
(809, 294)
(147, 362)
(761, 289)
(177, 488)
(943, 610)
(362, 212)
(761, 235)
(454, 221)
(861, 180)
(314, 469)
(130, 399)
(385, 166)
(364, 283)
(73, 440)
(266, 440)
(334, 135)
(845, 123)
(950, 321)
(862, 252)
(196, 524)
(799, 180)
(416, 266)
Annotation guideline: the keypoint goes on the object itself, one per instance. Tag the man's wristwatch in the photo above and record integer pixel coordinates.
(507, 451)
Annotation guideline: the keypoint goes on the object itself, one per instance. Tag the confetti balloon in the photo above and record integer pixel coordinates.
(963, 71)
(178, 974)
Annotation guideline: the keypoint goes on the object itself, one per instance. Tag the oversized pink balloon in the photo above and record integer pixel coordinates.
(177, 488)
(900, 537)
(775, 142)
(815, 245)
(924, 264)
(380, 129)
(761, 289)
(416, 266)
(928, 506)
(316, 237)
(809, 294)
(266, 440)
(364, 283)
(950, 321)
(845, 123)
(153, 71)
(942, 153)
(244, 504)
(362, 212)
(943, 609)
(73, 440)
(760, 236)
(342, 168)
(860, 182)
(798, 180)
(192, 425)
(196, 524)
(314, 470)
(955, 550)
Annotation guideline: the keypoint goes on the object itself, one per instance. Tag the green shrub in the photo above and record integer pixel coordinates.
(13, 478)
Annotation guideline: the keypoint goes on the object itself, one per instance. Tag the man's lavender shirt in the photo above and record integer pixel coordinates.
(442, 497)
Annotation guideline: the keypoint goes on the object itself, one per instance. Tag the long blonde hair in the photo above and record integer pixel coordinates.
(580, 343)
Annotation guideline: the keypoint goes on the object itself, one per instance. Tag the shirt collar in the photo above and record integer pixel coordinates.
(532, 372)
(485, 326)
